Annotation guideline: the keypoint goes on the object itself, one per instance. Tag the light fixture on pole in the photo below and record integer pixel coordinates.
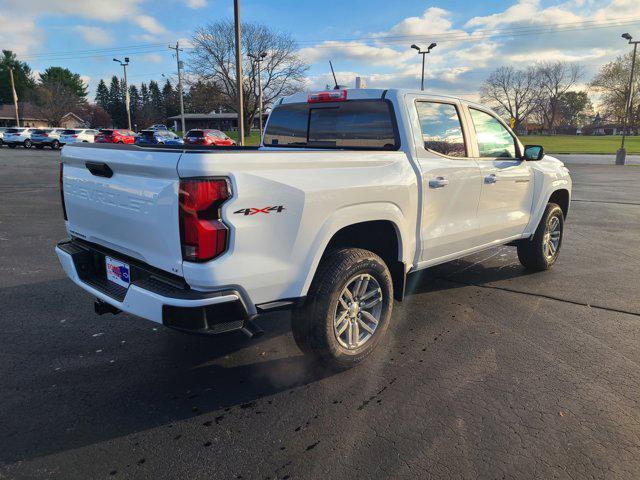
(126, 88)
(258, 59)
(621, 154)
(424, 54)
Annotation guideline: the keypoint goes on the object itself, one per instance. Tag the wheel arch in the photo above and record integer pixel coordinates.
(562, 198)
(380, 236)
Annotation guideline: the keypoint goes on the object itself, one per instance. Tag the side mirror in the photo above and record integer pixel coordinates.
(533, 153)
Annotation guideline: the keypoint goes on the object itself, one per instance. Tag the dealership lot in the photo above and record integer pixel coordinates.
(487, 371)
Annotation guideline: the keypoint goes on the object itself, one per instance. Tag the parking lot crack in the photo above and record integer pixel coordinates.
(542, 295)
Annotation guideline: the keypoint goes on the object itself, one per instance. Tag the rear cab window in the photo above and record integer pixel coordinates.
(353, 124)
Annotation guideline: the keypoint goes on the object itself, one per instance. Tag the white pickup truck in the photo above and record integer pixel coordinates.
(350, 192)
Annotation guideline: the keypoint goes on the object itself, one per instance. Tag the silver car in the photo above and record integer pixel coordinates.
(46, 137)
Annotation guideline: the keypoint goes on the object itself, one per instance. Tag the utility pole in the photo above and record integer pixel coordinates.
(258, 59)
(621, 154)
(126, 89)
(239, 82)
(15, 96)
(178, 50)
(424, 54)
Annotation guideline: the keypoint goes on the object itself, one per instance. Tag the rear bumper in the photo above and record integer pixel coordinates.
(151, 297)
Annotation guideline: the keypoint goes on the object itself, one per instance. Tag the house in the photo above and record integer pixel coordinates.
(215, 120)
(28, 113)
(30, 117)
(71, 120)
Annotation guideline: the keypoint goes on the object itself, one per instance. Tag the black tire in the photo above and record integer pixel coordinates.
(11, 145)
(531, 252)
(55, 145)
(27, 143)
(313, 323)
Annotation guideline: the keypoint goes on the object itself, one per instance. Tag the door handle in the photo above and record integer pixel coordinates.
(439, 182)
(489, 179)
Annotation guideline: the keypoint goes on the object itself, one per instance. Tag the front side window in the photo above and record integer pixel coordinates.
(494, 140)
(441, 128)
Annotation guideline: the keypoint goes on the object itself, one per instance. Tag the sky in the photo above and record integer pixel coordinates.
(369, 38)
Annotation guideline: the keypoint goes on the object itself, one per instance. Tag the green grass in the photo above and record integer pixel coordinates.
(253, 139)
(578, 144)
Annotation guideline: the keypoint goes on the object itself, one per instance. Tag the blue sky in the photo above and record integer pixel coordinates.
(367, 38)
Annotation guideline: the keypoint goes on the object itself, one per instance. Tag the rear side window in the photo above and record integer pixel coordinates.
(14, 130)
(359, 124)
(441, 128)
(494, 140)
(41, 131)
(69, 132)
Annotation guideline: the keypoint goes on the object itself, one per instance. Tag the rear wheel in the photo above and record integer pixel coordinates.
(55, 145)
(27, 143)
(541, 251)
(347, 310)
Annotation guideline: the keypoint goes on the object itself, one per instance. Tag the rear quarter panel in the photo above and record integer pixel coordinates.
(274, 254)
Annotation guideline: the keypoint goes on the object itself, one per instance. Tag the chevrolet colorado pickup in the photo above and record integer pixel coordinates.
(349, 192)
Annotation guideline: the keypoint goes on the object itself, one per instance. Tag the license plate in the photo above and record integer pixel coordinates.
(118, 272)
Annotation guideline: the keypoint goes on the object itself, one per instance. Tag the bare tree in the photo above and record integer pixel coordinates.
(612, 82)
(213, 60)
(554, 80)
(512, 91)
(55, 100)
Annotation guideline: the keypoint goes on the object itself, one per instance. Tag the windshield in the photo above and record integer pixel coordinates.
(195, 133)
(105, 131)
(359, 124)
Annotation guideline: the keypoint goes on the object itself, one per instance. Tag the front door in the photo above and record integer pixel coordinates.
(507, 181)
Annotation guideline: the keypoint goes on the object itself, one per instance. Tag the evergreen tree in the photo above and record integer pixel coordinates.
(171, 100)
(102, 95)
(22, 78)
(157, 102)
(116, 104)
(66, 78)
(134, 102)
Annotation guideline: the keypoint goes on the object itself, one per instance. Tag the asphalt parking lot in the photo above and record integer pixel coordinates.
(487, 371)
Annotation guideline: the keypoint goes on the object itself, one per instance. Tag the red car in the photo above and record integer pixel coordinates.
(115, 136)
(208, 137)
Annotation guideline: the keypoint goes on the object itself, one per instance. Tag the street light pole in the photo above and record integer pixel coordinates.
(621, 155)
(178, 50)
(126, 89)
(258, 59)
(15, 96)
(239, 82)
(424, 54)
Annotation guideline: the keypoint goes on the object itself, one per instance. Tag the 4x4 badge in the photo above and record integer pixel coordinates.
(265, 210)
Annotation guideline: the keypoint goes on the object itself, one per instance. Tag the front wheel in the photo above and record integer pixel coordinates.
(541, 251)
(55, 145)
(27, 143)
(347, 310)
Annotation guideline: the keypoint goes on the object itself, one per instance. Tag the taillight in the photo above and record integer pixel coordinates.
(74, 136)
(330, 96)
(45, 134)
(202, 233)
(64, 208)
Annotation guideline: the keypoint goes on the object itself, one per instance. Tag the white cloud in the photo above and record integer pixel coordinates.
(94, 35)
(196, 3)
(19, 34)
(152, 58)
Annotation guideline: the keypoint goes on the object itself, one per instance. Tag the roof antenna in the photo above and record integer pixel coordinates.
(334, 76)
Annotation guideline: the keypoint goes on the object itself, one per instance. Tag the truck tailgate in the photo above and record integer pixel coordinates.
(130, 206)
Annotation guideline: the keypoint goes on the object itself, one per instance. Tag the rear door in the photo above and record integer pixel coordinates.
(125, 200)
(507, 181)
(451, 179)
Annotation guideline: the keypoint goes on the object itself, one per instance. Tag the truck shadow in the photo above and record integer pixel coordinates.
(167, 377)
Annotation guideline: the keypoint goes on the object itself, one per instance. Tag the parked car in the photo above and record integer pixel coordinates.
(158, 126)
(2, 130)
(83, 135)
(108, 135)
(18, 136)
(46, 137)
(350, 192)
(158, 137)
(208, 137)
